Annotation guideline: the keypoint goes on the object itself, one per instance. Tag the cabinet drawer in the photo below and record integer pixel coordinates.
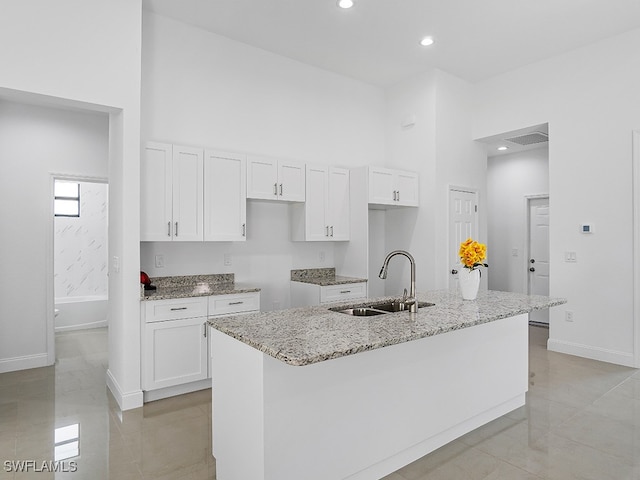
(235, 303)
(337, 293)
(160, 310)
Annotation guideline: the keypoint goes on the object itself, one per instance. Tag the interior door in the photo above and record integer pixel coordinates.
(538, 265)
(463, 223)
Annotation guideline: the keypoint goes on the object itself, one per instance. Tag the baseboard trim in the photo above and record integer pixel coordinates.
(83, 326)
(23, 363)
(595, 353)
(126, 401)
(152, 395)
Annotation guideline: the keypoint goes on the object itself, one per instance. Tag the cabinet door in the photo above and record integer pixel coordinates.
(155, 193)
(382, 186)
(225, 196)
(316, 225)
(339, 204)
(291, 181)
(175, 353)
(262, 178)
(407, 189)
(187, 194)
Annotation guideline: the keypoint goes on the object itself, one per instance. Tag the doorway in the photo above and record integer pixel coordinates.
(463, 224)
(538, 253)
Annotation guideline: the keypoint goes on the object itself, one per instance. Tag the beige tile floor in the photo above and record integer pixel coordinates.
(581, 421)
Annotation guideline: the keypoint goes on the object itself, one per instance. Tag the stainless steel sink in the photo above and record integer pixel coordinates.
(379, 308)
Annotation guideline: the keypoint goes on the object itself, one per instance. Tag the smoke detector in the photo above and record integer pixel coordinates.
(529, 138)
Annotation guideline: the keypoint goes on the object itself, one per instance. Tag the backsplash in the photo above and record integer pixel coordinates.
(80, 246)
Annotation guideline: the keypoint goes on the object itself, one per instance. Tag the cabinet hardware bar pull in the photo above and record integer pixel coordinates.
(280, 189)
(236, 303)
(275, 188)
(332, 230)
(178, 308)
(244, 229)
(398, 195)
(345, 291)
(204, 332)
(176, 229)
(394, 195)
(327, 231)
(168, 229)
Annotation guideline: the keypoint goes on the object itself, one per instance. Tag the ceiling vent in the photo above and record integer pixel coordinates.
(529, 138)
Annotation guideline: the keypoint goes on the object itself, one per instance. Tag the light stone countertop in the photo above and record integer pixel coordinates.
(322, 276)
(195, 286)
(303, 336)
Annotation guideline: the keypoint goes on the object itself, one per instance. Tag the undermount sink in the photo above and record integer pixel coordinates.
(380, 308)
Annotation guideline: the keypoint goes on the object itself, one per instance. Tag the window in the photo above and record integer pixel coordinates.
(66, 202)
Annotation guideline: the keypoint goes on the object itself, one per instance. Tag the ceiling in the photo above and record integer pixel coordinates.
(377, 41)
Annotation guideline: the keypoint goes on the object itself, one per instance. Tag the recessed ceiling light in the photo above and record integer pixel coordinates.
(426, 41)
(345, 3)
(503, 148)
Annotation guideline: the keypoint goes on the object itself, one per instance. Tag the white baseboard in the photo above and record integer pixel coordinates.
(23, 363)
(126, 401)
(83, 326)
(151, 395)
(595, 353)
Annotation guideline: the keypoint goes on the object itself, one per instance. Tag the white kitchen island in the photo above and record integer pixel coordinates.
(310, 393)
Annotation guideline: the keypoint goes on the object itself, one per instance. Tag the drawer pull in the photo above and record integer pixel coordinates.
(345, 291)
(236, 303)
(178, 308)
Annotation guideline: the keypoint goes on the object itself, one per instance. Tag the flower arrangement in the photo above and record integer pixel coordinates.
(472, 254)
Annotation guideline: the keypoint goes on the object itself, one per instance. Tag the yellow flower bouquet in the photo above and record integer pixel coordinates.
(472, 254)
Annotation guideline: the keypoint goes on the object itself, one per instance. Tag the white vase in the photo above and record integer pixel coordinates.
(469, 281)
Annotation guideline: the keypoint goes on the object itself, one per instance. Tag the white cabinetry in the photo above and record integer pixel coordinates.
(308, 294)
(271, 179)
(325, 214)
(225, 196)
(393, 187)
(171, 193)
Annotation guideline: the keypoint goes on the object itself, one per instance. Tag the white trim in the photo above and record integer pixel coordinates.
(126, 401)
(82, 326)
(24, 363)
(588, 351)
(636, 247)
(527, 235)
(153, 395)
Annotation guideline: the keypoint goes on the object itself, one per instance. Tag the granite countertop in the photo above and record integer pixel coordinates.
(303, 336)
(322, 277)
(195, 286)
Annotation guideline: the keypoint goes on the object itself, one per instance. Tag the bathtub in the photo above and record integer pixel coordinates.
(75, 313)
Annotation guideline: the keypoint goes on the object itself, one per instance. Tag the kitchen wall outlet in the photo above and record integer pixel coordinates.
(115, 263)
(570, 257)
(514, 252)
(322, 257)
(568, 315)
(159, 261)
(227, 260)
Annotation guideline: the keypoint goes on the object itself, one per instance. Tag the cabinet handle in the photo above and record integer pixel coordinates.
(345, 291)
(275, 188)
(204, 332)
(176, 229)
(394, 195)
(332, 230)
(178, 308)
(327, 231)
(398, 196)
(169, 229)
(280, 189)
(244, 229)
(236, 303)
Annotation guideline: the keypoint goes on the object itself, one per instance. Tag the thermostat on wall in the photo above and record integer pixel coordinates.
(586, 228)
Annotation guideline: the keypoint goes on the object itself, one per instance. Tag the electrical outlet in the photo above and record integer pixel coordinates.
(514, 252)
(570, 257)
(322, 257)
(115, 262)
(160, 261)
(568, 315)
(227, 260)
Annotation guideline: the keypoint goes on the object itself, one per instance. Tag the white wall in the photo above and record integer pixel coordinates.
(590, 99)
(206, 90)
(86, 53)
(510, 178)
(34, 143)
(80, 243)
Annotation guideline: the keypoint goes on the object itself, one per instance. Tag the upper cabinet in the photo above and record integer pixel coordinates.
(225, 196)
(271, 179)
(325, 214)
(171, 193)
(393, 187)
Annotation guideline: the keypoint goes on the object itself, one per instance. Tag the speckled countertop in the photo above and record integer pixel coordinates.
(302, 336)
(322, 276)
(195, 286)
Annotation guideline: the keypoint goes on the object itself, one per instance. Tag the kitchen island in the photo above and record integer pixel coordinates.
(316, 394)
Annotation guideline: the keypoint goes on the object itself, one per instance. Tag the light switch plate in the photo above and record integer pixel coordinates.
(159, 261)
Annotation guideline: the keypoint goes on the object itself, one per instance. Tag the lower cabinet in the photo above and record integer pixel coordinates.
(308, 294)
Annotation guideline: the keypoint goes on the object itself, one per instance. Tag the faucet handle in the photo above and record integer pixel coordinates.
(404, 296)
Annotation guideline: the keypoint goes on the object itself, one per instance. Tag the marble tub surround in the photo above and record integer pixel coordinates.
(195, 286)
(322, 276)
(308, 335)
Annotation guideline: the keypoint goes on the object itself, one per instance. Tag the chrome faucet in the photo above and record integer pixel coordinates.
(411, 300)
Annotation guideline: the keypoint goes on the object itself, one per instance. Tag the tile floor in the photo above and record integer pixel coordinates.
(581, 421)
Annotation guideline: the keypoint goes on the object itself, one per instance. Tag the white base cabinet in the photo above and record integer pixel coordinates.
(308, 294)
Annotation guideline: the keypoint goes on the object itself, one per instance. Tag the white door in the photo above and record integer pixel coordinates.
(262, 178)
(155, 193)
(339, 203)
(463, 223)
(291, 181)
(188, 219)
(538, 264)
(316, 205)
(382, 186)
(225, 197)
(407, 185)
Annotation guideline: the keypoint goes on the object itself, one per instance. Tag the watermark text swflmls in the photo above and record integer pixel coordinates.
(39, 466)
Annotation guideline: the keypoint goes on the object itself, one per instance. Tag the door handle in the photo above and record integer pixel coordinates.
(532, 269)
(454, 271)
(532, 260)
